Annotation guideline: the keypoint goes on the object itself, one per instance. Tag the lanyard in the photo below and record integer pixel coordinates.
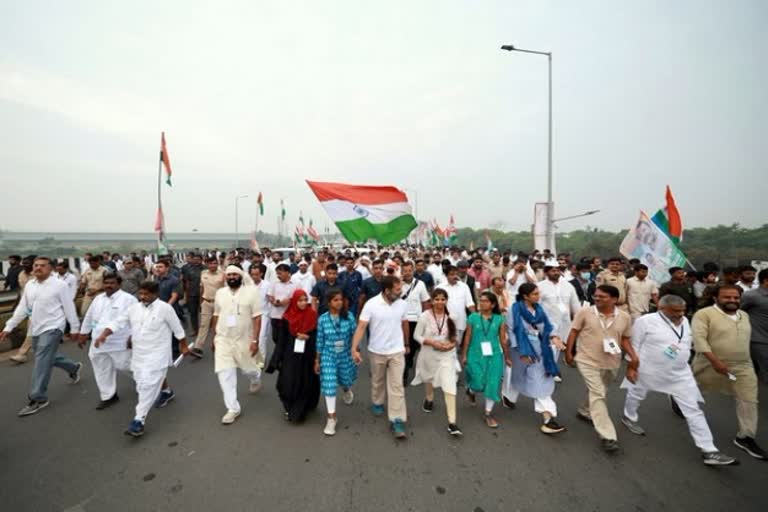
(410, 288)
(602, 324)
(440, 325)
(682, 328)
(486, 331)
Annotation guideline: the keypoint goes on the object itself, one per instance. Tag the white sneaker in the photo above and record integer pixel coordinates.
(330, 427)
(255, 387)
(558, 379)
(348, 397)
(230, 417)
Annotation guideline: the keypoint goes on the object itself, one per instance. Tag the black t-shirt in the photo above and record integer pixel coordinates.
(371, 288)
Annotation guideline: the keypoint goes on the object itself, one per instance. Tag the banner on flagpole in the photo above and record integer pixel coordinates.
(648, 243)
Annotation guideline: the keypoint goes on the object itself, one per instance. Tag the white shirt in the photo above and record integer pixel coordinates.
(414, 294)
(246, 266)
(49, 306)
(239, 307)
(437, 273)
(103, 311)
(746, 287)
(459, 299)
(525, 276)
(271, 275)
(385, 325)
(364, 272)
(560, 303)
(652, 335)
(70, 280)
(151, 327)
(262, 289)
(305, 281)
(280, 291)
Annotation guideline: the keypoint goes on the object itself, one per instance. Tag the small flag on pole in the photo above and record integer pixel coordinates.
(260, 202)
(668, 219)
(165, 159)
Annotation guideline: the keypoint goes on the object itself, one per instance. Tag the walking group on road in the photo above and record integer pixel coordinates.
(499, 326)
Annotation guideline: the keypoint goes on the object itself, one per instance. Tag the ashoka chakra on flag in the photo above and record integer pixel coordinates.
(363, 212)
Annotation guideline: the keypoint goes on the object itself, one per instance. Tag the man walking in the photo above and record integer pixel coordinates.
(603, 331)
(662, 342)
(91, 282)
(641, 291)
(237, 323)
(152, 322)
(721, 335)
(613, 276)
(114, 354)
(386, 316)
(48, 304)
(211, 280)
(755, 303)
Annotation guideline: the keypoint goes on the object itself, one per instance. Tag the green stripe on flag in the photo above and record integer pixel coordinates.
(360, 230)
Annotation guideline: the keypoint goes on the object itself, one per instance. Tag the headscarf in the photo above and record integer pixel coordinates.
(519, 313)
(300, 321)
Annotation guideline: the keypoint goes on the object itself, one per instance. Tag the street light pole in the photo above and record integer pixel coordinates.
(549, 234)
(237, 232)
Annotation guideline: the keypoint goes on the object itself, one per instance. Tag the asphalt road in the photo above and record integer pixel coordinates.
(73, 458)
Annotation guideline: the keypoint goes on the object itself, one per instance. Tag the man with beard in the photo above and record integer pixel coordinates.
(152, 323)
(721, 336)
(237, 324)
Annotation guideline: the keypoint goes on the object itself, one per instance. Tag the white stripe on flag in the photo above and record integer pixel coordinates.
(340, 211)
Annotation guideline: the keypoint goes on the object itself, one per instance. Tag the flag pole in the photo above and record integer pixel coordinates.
(159, 200)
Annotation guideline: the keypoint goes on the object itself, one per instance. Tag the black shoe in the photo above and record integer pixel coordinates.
(610, 445)
(428, 406)
(552, 427)
(108, 402)
(506, 403)
(454, 430)
(676, 408)
(750, 446)
(471, 397)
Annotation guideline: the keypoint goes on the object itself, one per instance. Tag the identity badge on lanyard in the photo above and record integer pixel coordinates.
(673, 350)
(610, 345)
(299, 345)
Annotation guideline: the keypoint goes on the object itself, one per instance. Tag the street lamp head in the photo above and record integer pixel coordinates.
(508, 47)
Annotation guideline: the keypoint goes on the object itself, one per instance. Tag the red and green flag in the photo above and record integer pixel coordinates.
(668, 219)
(165, 159)
(260, 203)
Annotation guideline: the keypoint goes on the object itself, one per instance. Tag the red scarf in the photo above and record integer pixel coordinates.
(300, 320)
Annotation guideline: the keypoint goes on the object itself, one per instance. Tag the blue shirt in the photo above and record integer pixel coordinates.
(320, 292)
(168, 285)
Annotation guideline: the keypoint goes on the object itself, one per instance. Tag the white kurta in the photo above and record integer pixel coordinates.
(104, 311)
(304, 281)
(235, 311)
(459, 299)
(266, 326)
(652, 335)
(560, 303)
(152, 327)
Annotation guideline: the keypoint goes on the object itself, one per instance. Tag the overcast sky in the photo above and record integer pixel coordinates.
(257, 95)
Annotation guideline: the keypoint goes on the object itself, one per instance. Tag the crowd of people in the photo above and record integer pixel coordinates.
(497, 324)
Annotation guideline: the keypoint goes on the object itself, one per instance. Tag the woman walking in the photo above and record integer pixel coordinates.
(435, 367)
(484, 353)
(534, 370)
(297, 384)
(333, 361)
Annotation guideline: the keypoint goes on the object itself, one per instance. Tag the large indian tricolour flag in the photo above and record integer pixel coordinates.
(363, 212)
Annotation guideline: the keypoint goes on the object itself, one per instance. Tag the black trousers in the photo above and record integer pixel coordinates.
(410, 357)
(193, 306)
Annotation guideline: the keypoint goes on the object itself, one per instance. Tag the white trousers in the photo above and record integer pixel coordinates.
(105, 368)
(540, 405)
(228, 384)
(148, 386)
(697, 422)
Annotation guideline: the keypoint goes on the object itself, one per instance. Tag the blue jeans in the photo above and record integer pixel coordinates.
(46, 347)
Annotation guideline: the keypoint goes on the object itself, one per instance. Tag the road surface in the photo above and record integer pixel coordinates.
(72, 458)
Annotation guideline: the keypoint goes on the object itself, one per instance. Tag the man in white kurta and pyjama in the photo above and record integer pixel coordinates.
(152, 323)
(113, 355)
(662, 342)
(237, 324)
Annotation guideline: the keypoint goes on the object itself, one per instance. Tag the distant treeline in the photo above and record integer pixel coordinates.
(725, 245)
